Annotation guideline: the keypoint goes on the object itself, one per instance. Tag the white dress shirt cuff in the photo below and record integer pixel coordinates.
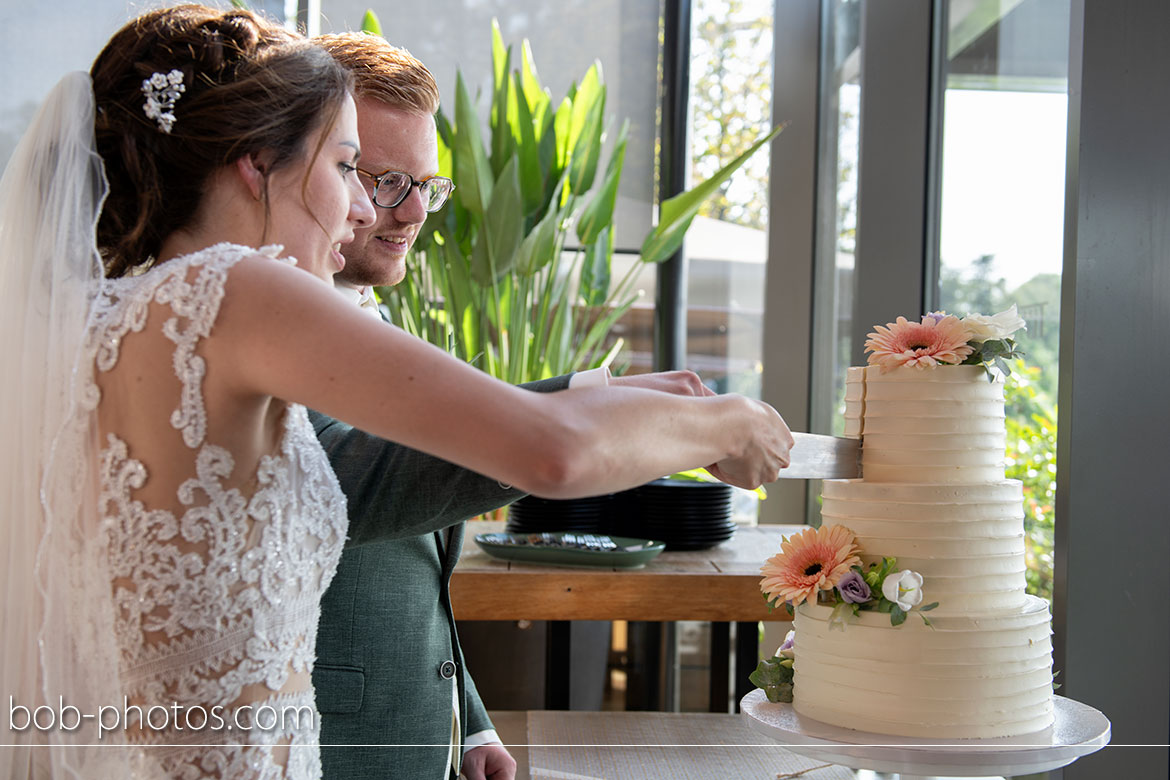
(594, 377)
(481, 738)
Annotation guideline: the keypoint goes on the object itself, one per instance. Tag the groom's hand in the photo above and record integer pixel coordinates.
(676, 382)
(489, 762)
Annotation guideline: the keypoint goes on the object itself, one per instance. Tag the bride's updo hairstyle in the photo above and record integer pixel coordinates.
(249, 87)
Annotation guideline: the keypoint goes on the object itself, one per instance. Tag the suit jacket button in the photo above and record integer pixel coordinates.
(447, 670)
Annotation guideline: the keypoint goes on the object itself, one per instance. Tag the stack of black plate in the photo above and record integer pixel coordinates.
(686, 515)
(578, 515)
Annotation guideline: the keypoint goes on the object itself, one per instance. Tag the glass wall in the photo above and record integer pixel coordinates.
(1002, 217)
(730, 108)
(41, 42)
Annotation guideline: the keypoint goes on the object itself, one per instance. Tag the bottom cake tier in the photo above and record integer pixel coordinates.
(963, 677)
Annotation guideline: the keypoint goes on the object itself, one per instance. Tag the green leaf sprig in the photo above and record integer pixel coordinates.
(774, 676)
(993, 352)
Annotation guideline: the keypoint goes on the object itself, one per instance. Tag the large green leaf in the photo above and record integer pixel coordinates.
(557, 191)
(677, 213)
(559, 343)
(500, 57)
(548, 154)
(471, 163)
(370, 22)
(520, 340)
(595, 273)
(502, 229)
(587, 151)
(584, 97)
(462, 296)
(446, 158)
(562, 120)
(528, 152)
(537, 96)
(503, 142)
(598, 212)
(537, 248)
(553, 293)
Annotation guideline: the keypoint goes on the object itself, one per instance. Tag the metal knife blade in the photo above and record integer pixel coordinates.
(816, 456)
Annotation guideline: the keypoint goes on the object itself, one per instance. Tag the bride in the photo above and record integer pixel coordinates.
(170, 519)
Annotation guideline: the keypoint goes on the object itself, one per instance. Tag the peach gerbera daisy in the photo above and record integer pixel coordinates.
(933, 341)
(812, 560)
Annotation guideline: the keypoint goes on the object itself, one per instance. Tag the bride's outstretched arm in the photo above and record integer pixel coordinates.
(284, 333)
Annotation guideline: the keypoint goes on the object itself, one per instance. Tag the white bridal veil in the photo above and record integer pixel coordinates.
(58, 641)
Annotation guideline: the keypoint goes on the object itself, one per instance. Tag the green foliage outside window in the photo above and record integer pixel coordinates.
(1030, 396)
(731, 97)
(1031, 458)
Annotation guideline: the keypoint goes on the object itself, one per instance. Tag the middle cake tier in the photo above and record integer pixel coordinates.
(967, 541)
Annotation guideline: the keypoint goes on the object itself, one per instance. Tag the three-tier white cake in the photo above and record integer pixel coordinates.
(933, 495)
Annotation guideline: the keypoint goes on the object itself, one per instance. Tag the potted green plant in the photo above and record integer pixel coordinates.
(492, 282)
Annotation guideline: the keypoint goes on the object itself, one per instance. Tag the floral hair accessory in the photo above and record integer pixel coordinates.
(162, 90)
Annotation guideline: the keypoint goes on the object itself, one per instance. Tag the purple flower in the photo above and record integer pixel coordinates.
(788, 648)
(853, 588)
(937, 316)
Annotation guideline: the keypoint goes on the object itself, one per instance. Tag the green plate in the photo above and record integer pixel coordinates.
(570, 549)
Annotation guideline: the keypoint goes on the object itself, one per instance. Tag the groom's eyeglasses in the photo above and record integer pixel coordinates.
(392, 187)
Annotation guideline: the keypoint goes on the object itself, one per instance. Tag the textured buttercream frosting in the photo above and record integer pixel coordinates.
(966, 540)
(963, 678)
(935, 425)
(854, 401)
(933, 495)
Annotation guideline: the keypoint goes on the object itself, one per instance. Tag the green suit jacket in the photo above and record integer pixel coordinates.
(386, 645)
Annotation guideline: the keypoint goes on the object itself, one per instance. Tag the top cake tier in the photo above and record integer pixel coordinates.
(940, 425)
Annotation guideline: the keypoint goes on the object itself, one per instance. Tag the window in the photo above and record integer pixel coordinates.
(730, 108)
(1002, 218)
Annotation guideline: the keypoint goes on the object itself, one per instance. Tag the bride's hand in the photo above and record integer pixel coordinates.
(766, 451)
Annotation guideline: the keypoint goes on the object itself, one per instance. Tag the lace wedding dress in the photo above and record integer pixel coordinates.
(217, 566)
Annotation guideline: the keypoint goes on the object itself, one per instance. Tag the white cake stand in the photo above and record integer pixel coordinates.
(1079, 730)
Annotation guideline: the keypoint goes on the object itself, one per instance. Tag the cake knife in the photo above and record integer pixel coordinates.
(816, 456)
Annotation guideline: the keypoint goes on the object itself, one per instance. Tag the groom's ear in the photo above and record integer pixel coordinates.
(254, 172)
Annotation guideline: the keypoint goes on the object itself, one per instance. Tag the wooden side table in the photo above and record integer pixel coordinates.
(720, 585)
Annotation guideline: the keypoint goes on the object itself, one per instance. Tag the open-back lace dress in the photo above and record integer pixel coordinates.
(217, 566)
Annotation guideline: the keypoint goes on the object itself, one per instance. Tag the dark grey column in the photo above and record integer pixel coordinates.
(670, 310)
(893, 207)
(1112, 608)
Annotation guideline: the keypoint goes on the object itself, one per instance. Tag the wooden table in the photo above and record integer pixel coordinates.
(648, 746)
(720, 585)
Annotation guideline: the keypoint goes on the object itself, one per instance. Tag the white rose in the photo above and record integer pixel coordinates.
(997, 326)
(904, 589)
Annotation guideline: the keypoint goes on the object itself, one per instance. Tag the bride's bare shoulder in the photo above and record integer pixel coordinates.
(274, 301)
(265, 279)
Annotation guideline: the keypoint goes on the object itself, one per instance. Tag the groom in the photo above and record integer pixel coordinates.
(390, 676)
